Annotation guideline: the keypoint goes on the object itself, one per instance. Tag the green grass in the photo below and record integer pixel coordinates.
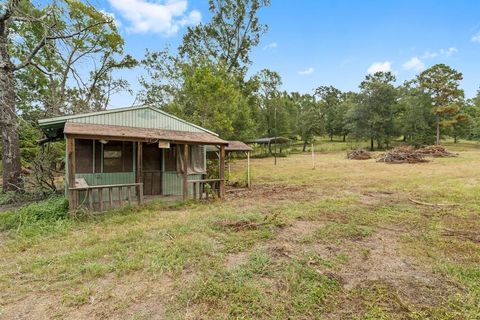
(332, 226)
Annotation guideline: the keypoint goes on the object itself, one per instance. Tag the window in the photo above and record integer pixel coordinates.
(83, 156)
(118, 156)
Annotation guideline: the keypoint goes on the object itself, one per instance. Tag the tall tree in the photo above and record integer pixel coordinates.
(28, 39)
(416, 117)
(442, 83)
(329, 98)
(229, 36)
(269, 83)
(374, 115)
(311, 119)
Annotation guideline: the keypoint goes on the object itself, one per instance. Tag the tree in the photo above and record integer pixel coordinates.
(39, 29)
(311, 119)
(373, 116)
(442, 83)
(329, 97)
(269, 83)
(229, 36)
(474, 112)
(416, 118)
(347, 103)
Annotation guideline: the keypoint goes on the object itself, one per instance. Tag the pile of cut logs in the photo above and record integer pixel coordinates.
(359, 154)
(437, 151)
(402, 154)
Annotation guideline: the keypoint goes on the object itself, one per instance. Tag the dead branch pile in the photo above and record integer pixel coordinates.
(402, 154)
(359, 154)
(437, 151)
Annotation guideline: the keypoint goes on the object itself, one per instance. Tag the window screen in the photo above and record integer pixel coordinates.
(118, 156)
(83, 156)
(170, 158)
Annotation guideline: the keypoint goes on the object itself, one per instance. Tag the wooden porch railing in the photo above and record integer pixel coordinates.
(200, 185)
(109, 204)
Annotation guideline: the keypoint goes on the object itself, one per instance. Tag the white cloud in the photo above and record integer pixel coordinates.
(414, 64)
(444, 53)
(380, 67)
(476, 37)
(429, 55)
(306, 72)
(448, 52)
(165, 17)
(272, 45)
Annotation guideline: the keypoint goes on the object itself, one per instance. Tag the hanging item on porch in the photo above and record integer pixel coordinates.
(196, 161)
(180, 158)
(163, 144)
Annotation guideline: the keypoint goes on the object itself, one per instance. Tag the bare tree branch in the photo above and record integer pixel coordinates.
(28, 60)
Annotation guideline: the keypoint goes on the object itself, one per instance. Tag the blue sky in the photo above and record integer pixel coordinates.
(324, 42)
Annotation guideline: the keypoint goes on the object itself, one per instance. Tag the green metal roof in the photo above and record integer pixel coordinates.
(144, 116)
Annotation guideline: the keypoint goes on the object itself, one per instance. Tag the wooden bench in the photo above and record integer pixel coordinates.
(82, 185)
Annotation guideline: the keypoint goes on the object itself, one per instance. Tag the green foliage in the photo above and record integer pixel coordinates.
(330, 100)
(416, 117)
(442, 83)
(229, 36)
(373, 117)
(47, 211)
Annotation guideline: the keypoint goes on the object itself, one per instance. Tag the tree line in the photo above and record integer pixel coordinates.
(62, 58)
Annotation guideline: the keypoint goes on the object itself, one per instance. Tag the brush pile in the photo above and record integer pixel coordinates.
(436, 151)
(402, 154)
(359, 154)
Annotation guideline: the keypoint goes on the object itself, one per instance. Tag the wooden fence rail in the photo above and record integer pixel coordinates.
(200, 187)
(124, 192)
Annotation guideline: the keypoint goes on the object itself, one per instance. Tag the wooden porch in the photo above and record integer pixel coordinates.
(98, 196)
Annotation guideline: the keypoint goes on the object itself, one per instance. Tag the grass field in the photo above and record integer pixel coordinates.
(341, 241)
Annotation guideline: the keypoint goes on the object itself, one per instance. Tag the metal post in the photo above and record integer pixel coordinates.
(313, 157)
(222, 171)
(248, 169)
(185, 172)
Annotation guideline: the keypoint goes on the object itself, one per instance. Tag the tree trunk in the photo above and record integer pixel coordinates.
(12, 180)
(438, 129)
(304, 146)
(344, 138)
(455, 140)
(371, 144)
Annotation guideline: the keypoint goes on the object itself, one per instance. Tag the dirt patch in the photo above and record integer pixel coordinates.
(272, 192)
(379, 258)
(376, 198)
(111, 297)
(235, 260)
(289, 241)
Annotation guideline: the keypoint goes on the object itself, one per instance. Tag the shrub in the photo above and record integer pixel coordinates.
(52, 209)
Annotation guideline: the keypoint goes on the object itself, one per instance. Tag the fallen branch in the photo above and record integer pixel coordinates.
(434, 204)
(465, 235)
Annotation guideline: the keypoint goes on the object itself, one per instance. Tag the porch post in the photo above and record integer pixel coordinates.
(185, 172)
(222, 171)
(248, 169)
(72, 199)
(139, 173)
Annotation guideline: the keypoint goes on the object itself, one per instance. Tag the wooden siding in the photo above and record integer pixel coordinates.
(97, 179)
(138, 118)
(173, 183)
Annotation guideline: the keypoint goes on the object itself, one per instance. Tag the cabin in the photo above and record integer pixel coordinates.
(124, 155)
